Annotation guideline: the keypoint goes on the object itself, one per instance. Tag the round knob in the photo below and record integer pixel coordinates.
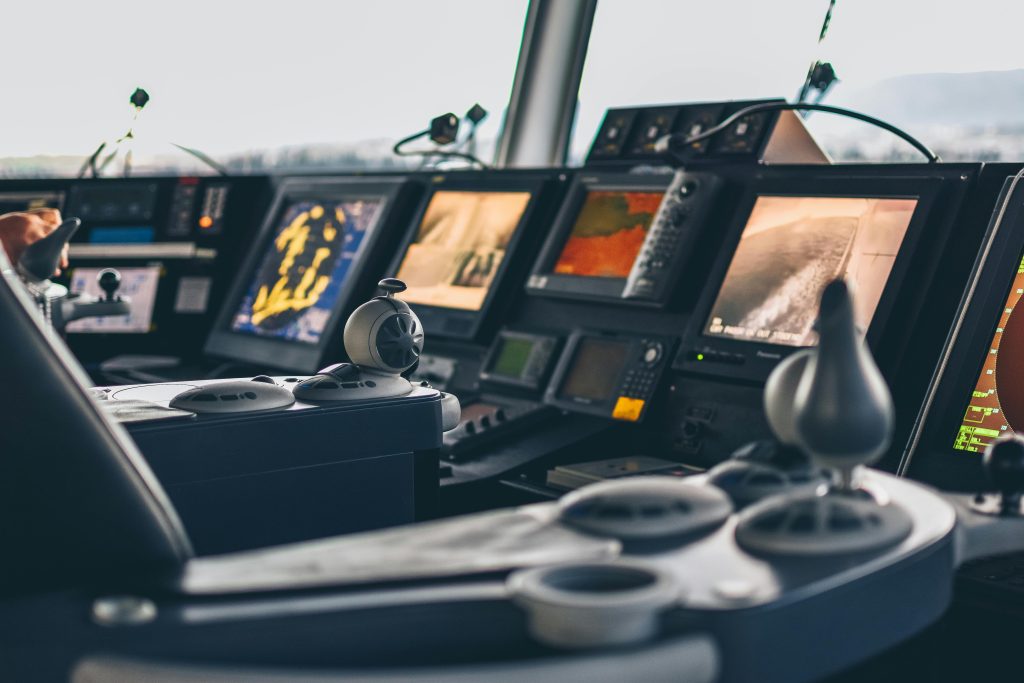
(1004, 465)
(391, 286)
(109, 281)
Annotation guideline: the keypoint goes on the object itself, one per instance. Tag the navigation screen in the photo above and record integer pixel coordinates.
(595, 370)
(608, 233)
(997, 402)
(138, 285)
(297, 283)
(459, 247)
(791, 248)
(512, 357)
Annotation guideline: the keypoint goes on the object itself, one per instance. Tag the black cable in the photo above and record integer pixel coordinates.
(672, 143)
(205, 158)
(449, 154)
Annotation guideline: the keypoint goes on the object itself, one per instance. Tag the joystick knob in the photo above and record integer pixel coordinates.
(109, 281)
(1004, 466)
(391, 286)
(843, 412)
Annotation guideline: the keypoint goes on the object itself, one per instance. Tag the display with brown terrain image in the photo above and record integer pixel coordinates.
(608, 234)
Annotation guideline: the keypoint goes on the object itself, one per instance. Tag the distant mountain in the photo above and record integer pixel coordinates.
(983, 98)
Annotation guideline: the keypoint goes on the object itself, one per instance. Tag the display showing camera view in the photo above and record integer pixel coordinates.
(459, 246)
(138, 287)
(791, 248)
(608, 233)
(996, 406)
(595, 370)
(297, 283)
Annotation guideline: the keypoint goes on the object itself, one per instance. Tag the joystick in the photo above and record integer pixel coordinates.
(766, 468)
(383, 339)
(840, 414)
(1004, 466)
(109, 281)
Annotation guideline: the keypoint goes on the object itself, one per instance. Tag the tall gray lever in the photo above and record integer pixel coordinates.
(40, 259)
(843, 411)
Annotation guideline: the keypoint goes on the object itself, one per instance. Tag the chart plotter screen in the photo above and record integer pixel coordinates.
(996, 406)
(595, 369)
(294, 288)
(608, 233)
(459, 247)
(790, 248)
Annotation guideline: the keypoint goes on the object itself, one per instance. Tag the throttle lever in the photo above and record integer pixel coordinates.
(41, 258)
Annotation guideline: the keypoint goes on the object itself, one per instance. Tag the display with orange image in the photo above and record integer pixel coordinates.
(608, 234)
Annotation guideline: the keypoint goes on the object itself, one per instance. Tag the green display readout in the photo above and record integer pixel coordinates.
(512, 358)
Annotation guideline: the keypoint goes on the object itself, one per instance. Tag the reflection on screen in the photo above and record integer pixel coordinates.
(512, 358)
(595, 370)
(459, 247)
(138, 285)
(608, 233)
(791, 248)
(997, 402)
(25, 201)
(297, 283)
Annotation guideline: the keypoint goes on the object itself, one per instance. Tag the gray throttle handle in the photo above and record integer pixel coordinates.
(40, 259)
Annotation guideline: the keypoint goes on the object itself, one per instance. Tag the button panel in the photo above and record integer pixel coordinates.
(687, 201)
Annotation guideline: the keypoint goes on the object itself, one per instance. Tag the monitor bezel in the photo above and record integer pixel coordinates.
(930, 454)
(289, 355)
(760, 358)
(544, 282)
(461, 324)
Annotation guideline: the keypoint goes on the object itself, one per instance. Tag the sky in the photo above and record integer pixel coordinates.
(229, 76)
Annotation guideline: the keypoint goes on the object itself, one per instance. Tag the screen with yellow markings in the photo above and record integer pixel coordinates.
(293, 290)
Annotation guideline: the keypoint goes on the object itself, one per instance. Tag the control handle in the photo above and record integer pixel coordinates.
(40, 259)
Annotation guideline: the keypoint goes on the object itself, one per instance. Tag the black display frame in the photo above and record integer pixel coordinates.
(544, 282)
(460, 324)
(751, 360)
(251, 349)
(929, 455)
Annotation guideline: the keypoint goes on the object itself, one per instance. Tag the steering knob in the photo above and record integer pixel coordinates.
(1004, 465)
(109, 281)
(391, 286)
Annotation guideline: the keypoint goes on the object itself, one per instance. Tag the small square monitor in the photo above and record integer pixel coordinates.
(288, 299)
(459, 248)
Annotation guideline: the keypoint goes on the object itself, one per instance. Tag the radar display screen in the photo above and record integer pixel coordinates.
(295, 287)
(594, 375)
(138, 286)
(459, 247)
(997, 402)
(608, 233)
(790, 248)
(513, 357)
